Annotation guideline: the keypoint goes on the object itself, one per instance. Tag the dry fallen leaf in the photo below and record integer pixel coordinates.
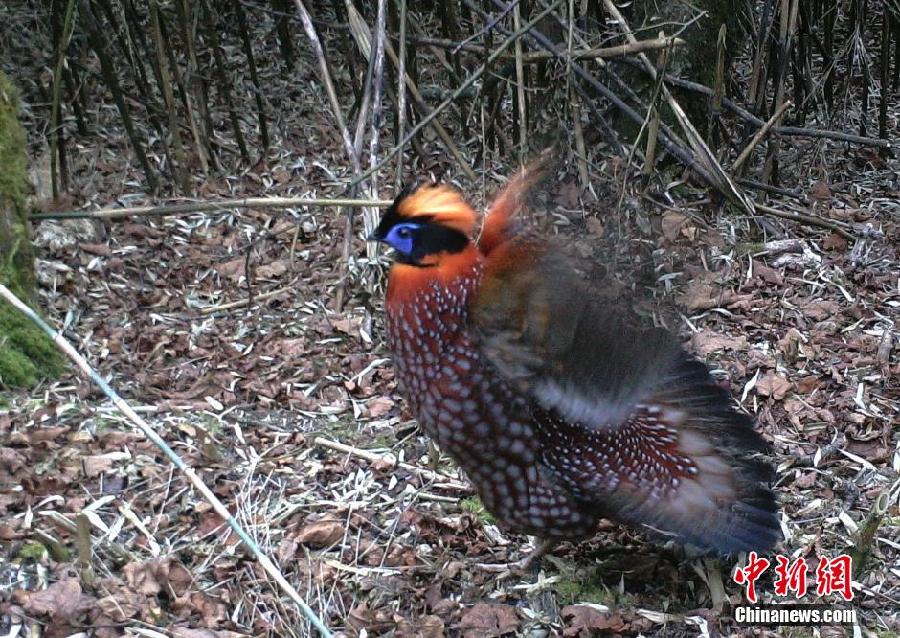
(773, 385)
(272, 269)
(423, 627)
(486, 620)
(95, 465)
(707, 341)
(150, 577)
(703, 296)
(321, 533)
(820, 191)
(62, 601)
(379, 406)
(767, 273)
(672, 224)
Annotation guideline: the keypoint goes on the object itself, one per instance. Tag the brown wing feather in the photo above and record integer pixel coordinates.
(547, 332)
(630, 424)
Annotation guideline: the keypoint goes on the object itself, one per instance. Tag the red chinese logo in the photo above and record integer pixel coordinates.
(833, 576)
(790, 577)
(755, 568)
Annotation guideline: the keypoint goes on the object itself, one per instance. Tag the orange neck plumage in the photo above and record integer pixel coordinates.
(406, 281)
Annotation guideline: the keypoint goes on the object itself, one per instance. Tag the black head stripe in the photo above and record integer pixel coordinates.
(435, 238)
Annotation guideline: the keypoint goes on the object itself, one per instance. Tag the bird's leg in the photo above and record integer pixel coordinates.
(541, 549)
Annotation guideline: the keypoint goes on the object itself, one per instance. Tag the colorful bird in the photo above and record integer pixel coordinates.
(560, 412)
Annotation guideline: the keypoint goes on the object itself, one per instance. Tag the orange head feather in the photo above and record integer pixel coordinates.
(439, 204)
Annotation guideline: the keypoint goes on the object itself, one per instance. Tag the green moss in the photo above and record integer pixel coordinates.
(580, 587)
(26, 353)
(13, 177)
(35, 551)
(577, 583)
(474, 505)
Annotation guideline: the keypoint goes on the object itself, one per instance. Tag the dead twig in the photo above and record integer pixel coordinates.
(264, 561)
(200, 207)
(431, 475)
(811, 220)
(532, 57)
(240, 303)
(758, 137)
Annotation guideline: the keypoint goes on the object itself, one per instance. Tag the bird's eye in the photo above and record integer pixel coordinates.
(404, 232)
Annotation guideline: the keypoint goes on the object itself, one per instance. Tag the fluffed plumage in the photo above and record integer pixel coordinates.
(558, 410)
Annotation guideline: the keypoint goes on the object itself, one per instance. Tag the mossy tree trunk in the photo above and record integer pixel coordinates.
(26, 354)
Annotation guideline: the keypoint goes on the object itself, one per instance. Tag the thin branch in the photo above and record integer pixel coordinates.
(199, 207)
(240, 303)
(390, 459)
(264, 561)
(760, 134)
(532, 57)
(325, 76)
(811, 220)
(744, 114)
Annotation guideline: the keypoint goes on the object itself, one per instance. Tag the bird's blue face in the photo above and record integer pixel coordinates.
(419, 240)
(402, 238)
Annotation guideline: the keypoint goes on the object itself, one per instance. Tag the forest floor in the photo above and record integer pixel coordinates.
(245, 390)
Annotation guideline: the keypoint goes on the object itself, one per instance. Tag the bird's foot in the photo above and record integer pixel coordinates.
(520, 566)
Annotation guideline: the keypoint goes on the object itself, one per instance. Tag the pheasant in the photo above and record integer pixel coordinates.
(560, 412)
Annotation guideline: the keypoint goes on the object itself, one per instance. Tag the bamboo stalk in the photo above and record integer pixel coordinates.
(325, 77)
(224, 82)
(653, 125)
(198, 87)
(370, 215)
(179, 165)
(62, 45)
(715, 110)
(862, 549)
(885, 75)
(109, 77)
(758, 75)
(520, 85)
(401, 90)
(787, 26)
(254, 75)
(282, 26)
